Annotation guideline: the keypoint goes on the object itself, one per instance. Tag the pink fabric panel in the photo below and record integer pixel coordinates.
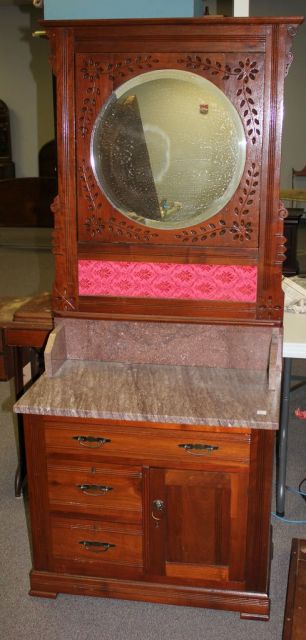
(236, 283)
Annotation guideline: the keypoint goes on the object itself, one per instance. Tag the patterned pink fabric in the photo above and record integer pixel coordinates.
(166, 280)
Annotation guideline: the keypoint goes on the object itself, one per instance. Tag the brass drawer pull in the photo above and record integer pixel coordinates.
(194, 448)
(94, 489)
(97, 547)
(91, 442)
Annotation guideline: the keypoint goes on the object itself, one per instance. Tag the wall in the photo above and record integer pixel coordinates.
(74, 9)
(294, 131)
(26, 85)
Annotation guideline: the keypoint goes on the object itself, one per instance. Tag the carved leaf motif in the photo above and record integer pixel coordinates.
(89, 187)
(93, 70)
(239, 228)
(245, 73)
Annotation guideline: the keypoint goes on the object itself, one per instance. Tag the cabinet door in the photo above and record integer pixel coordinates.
(197, 525)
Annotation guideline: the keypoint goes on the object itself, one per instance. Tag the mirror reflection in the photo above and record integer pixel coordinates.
(168, 149)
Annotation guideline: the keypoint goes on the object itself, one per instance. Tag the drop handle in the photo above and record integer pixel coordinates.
(197, 449)
(96, 547)
(94, 489)
(91, 442)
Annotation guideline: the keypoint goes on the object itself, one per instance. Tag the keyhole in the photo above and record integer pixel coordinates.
(157, 506)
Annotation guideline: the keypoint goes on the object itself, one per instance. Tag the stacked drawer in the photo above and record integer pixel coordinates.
(98, 477)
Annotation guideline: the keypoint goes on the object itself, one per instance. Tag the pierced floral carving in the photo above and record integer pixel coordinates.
(94, 226)
(93, 70)
(240, 228)
(245, 73)
(89, 187)
(121, 230)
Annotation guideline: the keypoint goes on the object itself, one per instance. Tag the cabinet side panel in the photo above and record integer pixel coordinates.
(38, 490)
(259, 513)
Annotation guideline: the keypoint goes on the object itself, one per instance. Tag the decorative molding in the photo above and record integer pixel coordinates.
(281, 240)
(52, 55)
(291, 31)
(58, 231)
(63, 300)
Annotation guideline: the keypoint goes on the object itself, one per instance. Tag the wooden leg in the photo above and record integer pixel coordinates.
(254, 616)
(283, 439)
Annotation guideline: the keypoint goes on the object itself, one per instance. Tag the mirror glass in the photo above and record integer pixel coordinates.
(168, 149)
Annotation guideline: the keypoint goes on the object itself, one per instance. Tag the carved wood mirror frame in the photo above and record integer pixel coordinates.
(248, 60)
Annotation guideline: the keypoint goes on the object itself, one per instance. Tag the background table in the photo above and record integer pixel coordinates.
(25, 324)
(294, 346)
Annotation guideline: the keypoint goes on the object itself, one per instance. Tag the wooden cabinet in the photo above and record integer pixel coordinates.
(169, 230)
(150, 512)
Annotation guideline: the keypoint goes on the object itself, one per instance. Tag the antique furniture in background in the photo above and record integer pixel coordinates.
(47, 160)
(151, 479)
(294, 196)
(297, 173)
(295, 615)
(25, 324)
(7, 167)
(25, 202)
(291, 265)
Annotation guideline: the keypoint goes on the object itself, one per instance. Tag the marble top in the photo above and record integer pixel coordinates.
(155, 393)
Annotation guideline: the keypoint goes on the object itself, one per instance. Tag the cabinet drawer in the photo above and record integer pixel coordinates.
(112, 492)
(96, 543)
(148, 445)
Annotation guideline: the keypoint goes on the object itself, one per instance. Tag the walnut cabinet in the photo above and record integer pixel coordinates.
(151, 512)
(168, 214)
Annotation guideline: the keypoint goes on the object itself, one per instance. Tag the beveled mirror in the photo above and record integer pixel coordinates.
(168, 149)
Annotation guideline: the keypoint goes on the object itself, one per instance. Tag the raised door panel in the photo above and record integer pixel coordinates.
(197, 527)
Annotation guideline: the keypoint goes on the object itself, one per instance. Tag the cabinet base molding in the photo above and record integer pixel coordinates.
(249, 605)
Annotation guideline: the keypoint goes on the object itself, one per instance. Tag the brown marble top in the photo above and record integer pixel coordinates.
(156, 393)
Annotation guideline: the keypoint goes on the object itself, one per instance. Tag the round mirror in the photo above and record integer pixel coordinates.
(168, 149)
